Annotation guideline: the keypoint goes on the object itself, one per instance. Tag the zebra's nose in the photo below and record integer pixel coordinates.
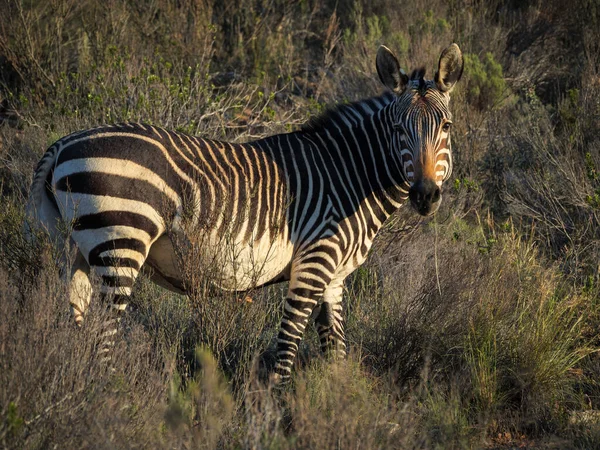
(425, 196)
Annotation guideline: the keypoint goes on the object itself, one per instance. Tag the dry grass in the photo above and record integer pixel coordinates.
(441, 364)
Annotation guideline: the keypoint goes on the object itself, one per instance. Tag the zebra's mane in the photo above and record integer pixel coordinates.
(419, 75)
(350, 110)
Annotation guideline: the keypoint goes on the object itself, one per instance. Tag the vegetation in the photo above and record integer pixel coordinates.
(475, 329)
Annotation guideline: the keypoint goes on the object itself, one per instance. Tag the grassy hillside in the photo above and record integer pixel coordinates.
(474, 329)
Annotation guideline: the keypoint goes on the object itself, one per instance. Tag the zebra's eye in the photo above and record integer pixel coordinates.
(446, 127)
(398, 127)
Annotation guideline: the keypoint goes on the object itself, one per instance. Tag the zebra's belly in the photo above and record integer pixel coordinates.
(229, 266)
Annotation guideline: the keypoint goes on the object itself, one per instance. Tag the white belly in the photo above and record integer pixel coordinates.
(226, 264)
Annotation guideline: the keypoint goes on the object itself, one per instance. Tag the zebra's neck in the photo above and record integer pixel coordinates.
(358, 137)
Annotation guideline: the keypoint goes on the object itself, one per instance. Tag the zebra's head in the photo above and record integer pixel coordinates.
(421, 121)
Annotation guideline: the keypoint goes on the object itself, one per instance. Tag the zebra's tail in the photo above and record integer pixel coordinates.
(42, 209)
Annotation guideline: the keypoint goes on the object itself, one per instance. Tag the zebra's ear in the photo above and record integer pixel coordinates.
(450, 68)
(389, 71)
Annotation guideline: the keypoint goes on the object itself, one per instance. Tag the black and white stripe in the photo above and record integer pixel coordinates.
(303, 206)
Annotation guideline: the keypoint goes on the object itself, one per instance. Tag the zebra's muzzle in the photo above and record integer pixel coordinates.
(425, 196)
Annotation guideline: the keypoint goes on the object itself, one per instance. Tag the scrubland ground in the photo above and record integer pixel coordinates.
(475, 329)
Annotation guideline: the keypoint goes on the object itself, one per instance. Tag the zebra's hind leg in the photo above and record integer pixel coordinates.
(330, 323)
(80, 288)
(115, 290)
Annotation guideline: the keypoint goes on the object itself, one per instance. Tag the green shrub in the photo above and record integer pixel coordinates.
(486, 87)
(429, 24)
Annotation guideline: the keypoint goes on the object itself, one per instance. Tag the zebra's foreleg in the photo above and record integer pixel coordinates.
(330, 322)
(303, 295)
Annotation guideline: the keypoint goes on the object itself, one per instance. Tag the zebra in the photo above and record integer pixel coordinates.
(303, 207)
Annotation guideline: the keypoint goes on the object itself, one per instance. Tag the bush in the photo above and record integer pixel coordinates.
(486, 87)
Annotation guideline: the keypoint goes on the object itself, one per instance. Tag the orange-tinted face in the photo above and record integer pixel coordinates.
(421, 119)
(422, 140)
